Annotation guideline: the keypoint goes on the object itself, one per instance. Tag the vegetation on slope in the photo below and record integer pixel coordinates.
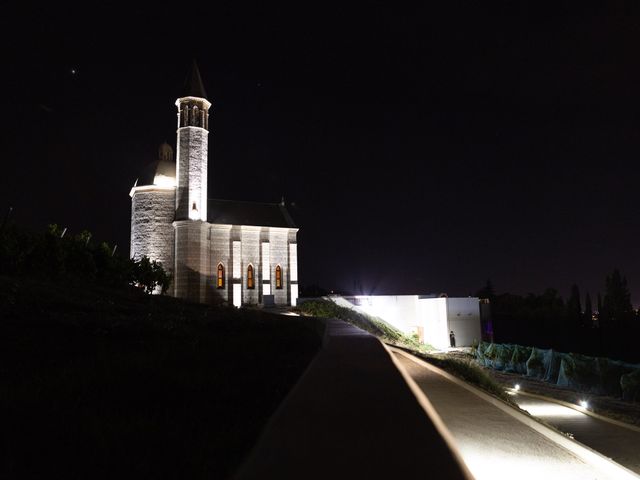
(323, 308)
(108, 383)
(58, 255)
(466, 369)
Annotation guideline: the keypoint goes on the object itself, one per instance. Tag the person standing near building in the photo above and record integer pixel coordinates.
(452, 339)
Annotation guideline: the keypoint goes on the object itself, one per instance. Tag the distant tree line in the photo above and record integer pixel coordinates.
(56, 254)
(610, 328)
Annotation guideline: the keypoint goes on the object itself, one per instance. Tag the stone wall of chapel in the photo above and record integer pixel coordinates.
(250, 238)
(152, 233)
(192, 268)
(220, 252)
(217, 246)
(279, 256)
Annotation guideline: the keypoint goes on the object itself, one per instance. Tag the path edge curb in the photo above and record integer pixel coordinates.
(578, 449)
(430, 411)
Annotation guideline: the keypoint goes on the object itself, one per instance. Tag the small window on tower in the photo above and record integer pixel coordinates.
(278, 276)
(220, 278)
(196, 117)
(250, 281)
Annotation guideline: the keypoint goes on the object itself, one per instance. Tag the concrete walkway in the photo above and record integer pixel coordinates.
(497, 441)
(622, 444)
(352, 415)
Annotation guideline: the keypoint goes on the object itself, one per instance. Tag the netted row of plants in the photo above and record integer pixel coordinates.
(582, 373)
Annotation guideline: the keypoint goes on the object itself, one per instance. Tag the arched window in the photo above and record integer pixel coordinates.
(220, 277)
(278, 276)
(250, 280)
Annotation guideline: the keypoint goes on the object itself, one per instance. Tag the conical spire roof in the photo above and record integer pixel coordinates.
(193, 86)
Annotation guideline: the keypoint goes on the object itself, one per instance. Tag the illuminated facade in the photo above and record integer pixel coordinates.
(216, 250)
(431, 317)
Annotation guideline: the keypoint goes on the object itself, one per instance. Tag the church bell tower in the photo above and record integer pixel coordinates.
(191, 264)
(192, 148)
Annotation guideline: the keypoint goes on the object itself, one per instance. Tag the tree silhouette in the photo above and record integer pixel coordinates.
(588, 311)
(574, 309)
(616, 305)
(487, 292)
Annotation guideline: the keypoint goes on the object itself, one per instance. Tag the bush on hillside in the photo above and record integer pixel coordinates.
(149, 275)
(54, 255)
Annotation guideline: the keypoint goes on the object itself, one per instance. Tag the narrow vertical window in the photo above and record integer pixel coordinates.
(220, 278)
(250, 282)
(278, 276)
(195, 117)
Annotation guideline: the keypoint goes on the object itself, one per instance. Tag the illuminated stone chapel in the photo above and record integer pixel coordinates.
(217, 251)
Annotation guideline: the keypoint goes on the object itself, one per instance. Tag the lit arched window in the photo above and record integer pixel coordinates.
(278, 276)
(250, 281)
(220, 277)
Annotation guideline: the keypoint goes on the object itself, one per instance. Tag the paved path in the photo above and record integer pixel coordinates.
(494, 444)
(352, 416)
(616, 442)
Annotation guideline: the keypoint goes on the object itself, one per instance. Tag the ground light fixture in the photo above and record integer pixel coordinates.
(584, 404)
(516, 387)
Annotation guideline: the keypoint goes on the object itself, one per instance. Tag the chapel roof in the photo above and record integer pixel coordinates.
(150, 173)
(193, 86)
(233, 212)
(162, 170)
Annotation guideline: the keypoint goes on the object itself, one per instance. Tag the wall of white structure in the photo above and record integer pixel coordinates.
(432, 318)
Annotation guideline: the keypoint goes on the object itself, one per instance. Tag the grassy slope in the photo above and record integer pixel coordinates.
(327, 309)
(467, 370)
(97, 383)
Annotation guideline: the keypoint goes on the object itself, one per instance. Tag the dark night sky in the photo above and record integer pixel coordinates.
(426, 150)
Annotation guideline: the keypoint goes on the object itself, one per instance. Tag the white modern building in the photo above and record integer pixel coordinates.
(431, 317)
(217, 251)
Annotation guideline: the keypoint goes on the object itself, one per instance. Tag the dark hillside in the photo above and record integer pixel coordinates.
(100, 383)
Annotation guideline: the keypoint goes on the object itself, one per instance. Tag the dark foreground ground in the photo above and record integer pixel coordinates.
(106, 384)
